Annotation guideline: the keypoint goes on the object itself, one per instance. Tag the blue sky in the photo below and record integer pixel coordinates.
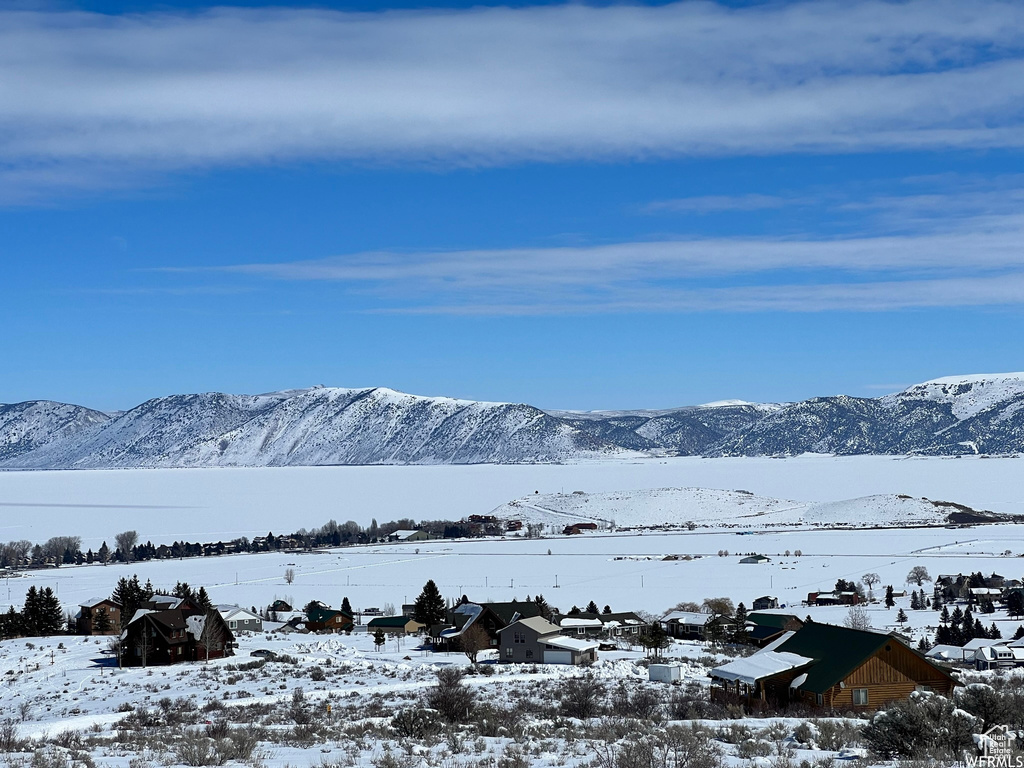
(585, 206)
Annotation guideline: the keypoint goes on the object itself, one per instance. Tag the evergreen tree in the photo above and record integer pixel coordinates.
(574, 611)
(11, 624)
(901, 617)
(987, 606)
(104, 553)
(979, 629)
(890, 601)
(943, 635)
(101, 621)
(739, 632)
(1015, 603)
(183, 590)
(203, 599)
(967, 625)
(994, 633)
(42, 614)
(923, 645)
(543, 607)
(607, 610)
(1019, 633)
(378, 638)
(429, 606)
(130, 594)
(592, 607)
(346, 606)
(944, 616)
(915, 603)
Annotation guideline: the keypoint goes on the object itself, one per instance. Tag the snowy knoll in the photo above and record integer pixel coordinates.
(324, 426)
(710, 508)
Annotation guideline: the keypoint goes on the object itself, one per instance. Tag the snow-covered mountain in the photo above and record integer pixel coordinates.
(318, 426)
(26, 427)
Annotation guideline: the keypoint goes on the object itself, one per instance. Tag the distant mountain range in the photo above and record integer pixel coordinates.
(324, 426)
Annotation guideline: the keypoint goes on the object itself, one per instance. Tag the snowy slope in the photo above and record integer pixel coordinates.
(319, 426)
(25, 427)
(981, 414)
(711, 508)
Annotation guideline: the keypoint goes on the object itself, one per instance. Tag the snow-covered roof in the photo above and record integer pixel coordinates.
(538, 624)
(760, 665)
(688, 617)
(402, 534)
(231, 611)
(981, 642)
(1000, 653)
(946, 652)
(571, 643)
(92, 602)
(981, 591)
(571, 621)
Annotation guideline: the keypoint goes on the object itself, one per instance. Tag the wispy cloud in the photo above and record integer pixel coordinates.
(979, 263)
(159, 91)
(720, 203)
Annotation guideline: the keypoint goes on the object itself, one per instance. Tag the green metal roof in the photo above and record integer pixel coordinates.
(837, 651)
(776, 620)
(389, 621)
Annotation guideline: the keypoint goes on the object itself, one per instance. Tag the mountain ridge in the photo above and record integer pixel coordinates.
(973, 414)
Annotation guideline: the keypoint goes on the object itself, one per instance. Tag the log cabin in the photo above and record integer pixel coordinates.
(832, 668)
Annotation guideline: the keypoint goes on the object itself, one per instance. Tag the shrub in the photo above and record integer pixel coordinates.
(451, 697)
(923, 726)
(581, 697)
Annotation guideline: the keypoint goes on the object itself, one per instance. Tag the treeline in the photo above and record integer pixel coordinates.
(67, 550)
(40, 616)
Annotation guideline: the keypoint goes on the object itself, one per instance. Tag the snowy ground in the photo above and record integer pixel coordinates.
(627, 571)
(48, 689)
(164, 505)
(711, 508)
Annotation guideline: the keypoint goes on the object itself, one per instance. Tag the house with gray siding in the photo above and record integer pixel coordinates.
(536, 640)
(239, 619)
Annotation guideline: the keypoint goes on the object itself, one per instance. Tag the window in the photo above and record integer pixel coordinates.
(508, 653)
(234, 624)
(519, 637)
(819, 699)
(860, 697)
(529, 654)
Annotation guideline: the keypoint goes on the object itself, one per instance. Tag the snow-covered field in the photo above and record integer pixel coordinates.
(168, 504)
(48, 688)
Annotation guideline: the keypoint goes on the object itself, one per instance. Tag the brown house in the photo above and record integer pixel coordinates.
(322, 618)
(101, 616)
(175, 635)
(492, 617)
(831, 667)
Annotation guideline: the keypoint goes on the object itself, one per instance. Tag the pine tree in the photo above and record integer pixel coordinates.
(923, 645)
(1015, 603)
(42, 614)
(890, 601)
(30, 612)
(592, 607)
(378, 638)
(543, 607)
(429, 606)
(203, 600)
(607, 610)
(915, 603)
(994, 633)
(101, 621)
(104, 553)
(979, 629)
(346, 606)
(1019, 633)
(944, 616)
(183, 590)
(901, 617)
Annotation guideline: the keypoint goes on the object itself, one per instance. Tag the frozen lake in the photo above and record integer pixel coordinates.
(168, 504)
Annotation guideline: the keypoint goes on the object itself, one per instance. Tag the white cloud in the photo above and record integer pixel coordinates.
(980, 263)
(240, 86)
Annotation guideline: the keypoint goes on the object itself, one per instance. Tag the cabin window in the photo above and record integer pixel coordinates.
(820, 700)
(860, 697)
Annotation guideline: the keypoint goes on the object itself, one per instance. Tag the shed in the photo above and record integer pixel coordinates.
(665, 673)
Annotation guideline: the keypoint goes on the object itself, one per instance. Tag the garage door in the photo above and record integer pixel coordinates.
(558, 657)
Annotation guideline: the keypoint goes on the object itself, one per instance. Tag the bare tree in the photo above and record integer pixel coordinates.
(212, 633)
(720, 606)
(857, 618)
(473, 640)
(289, 575)
(870, 579)
(126, 541)
(686, 605)
(918, 575)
